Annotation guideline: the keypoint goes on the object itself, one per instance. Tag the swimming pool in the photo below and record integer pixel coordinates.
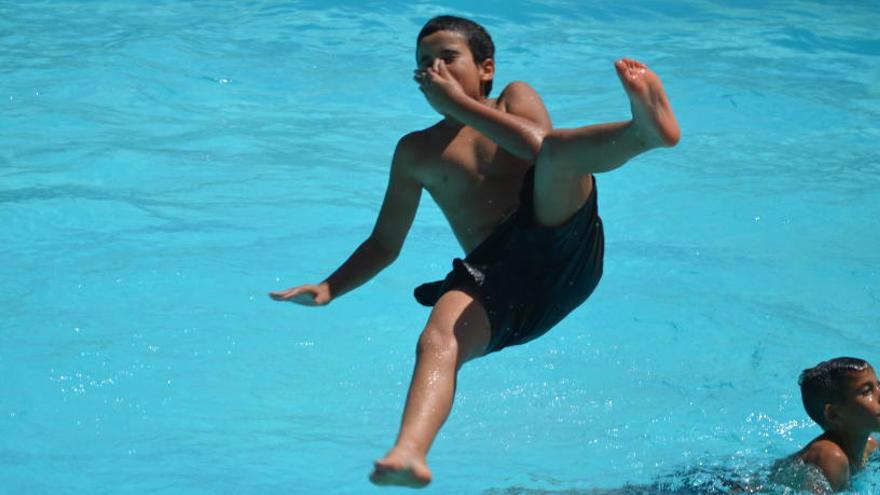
(165, 164)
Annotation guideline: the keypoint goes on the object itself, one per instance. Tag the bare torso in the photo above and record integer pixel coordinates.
(474, 182)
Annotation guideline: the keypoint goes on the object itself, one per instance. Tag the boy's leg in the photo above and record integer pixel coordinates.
(457, 330)
(569, 156)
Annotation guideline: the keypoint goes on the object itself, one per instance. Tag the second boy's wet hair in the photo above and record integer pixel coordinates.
(478, 38)
(824, 384)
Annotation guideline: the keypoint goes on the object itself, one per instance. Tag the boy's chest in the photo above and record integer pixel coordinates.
(466, 160)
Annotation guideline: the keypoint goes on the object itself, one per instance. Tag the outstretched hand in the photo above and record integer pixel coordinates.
(306, 295)
(441, 90)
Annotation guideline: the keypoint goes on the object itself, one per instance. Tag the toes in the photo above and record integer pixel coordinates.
(380, 475)
(630, 63)
(630, 68)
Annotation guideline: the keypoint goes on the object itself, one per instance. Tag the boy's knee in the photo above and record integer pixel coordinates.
(439, 342)
(549, 152)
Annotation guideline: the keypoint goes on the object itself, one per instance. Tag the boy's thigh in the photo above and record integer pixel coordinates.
(560, 190)
(459, 313)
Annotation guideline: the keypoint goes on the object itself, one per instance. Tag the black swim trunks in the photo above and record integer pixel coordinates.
(529, 276)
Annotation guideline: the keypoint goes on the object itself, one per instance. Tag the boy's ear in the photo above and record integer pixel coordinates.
(831, 414)
(487, 70)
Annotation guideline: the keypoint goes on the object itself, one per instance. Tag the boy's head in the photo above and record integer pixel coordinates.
(475, 40)
(842, 393)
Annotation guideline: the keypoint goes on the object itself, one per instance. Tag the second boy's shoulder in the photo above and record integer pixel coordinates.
(830, 458)
(822, 450)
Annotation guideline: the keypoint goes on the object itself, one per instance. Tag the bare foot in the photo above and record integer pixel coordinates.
(652, 114)
(401, 468)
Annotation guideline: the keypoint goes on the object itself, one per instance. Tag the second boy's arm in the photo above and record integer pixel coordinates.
(519, 129)
(382, 246)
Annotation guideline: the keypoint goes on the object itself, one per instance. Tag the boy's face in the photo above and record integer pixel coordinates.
(452, 48)
(860, 409)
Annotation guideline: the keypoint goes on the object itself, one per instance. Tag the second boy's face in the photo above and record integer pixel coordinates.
(861, 408)
(453, 50)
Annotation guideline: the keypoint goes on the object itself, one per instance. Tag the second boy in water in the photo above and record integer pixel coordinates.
(842, 395)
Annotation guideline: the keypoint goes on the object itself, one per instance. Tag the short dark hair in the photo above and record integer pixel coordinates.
(476, 35)
(823, 384)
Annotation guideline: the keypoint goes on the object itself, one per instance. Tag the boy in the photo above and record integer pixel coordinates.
(520, 200)
(842, 396)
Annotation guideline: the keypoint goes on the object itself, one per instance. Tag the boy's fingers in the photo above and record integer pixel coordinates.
(284, 295)
(304, 298)
(279, 295)
(423, 80)
(444, 71)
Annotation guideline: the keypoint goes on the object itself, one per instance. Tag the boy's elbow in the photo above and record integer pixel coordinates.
(391, 255)
(386, 252)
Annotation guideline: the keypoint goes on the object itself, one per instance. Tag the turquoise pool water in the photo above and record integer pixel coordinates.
(163, 165)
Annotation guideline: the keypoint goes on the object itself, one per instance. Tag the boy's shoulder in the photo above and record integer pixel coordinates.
(515, 92)
(830, 458)
(416, 150)
(417, 143)
(822, 449)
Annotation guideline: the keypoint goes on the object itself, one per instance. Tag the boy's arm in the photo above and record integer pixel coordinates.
(383, 245)
(519, 129)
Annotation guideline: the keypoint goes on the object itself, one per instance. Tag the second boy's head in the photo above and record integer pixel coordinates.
(466, 49)
(842, 394)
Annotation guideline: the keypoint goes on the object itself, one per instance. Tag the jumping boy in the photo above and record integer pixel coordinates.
(842, 396)
(521, 201)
